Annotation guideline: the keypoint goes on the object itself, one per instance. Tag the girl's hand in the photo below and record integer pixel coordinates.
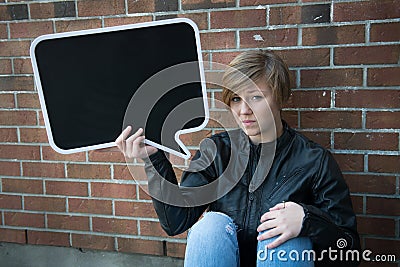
(134, 146)
(284, 219)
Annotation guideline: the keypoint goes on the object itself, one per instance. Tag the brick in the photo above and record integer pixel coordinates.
(91, 8)
(49, 154)
(92, 206)
(268, 38)
(322, 138)
(366, 141)
(152, 6)
(357, 202)
(367, 98)
(315, 13)
(14, 48)
(16, 83)
(19, 152)
(22, 186)
(108, 22)
(350, 162)
(93, 242)
(28, 100)
(346, 34)
(330, 119)
(371, 184)
(76, 25)
(66, 188)
(22, 66)
(143, 192)
(224, 57)
(376, 226)
(163, 17)
(238, 19)
(10, 202)
(307, 14)
(194, 139)
(52, 10)
(206, 4)
(135, 209)
(331, 77)
(105, 156)
(141, 246)
(45, 203)
(218, 40)
(123, 172)
(141, 7)
(384, 76)
(8, 135)
(150, 228)
(264, 2)
(9, 168)
(48, 238)
(7, 101)
(366, 10)
(30, 29)
(68, 222)
(385, 32)
(384, 163)
(41, 169)
(24, 219)
(382, 246)
(176, 250)
(291, 117)
(381, 120)
(13, 12)
(33, 135)
(309, 99)
(115, 226)
(221, 118)
(384, 54)
(3, 31)
(285, 15)
(383, 206)
(18, 118)
(88, 171)
(200, 19)
(5, 66)
(305, 57)
(110, 190)
(12, 236)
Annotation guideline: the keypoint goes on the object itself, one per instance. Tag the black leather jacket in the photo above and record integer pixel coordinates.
(302, 171)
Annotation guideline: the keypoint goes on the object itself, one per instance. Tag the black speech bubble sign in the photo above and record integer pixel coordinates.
(86, 79)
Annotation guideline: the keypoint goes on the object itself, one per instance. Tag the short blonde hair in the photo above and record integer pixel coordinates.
(256, 66)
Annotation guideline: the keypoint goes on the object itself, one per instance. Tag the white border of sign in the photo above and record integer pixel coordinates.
(35, 42)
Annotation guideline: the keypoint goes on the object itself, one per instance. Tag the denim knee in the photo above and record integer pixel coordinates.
(294, 252)
(213, 224)
(214, 233)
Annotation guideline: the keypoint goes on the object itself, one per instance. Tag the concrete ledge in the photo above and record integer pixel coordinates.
(16, 255)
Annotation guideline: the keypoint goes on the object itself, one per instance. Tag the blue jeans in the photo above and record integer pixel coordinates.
(212, 241)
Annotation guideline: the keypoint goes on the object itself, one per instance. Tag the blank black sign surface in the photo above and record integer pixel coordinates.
(88, 80)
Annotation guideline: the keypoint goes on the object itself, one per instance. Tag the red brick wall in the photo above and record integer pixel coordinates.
(344, 58)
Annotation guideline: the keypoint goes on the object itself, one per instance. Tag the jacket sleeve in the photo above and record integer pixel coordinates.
(163, 183)
(331, 218)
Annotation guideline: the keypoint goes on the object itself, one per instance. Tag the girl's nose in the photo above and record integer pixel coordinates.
(245, 109)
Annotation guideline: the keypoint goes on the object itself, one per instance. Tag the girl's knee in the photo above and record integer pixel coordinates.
(212, 225)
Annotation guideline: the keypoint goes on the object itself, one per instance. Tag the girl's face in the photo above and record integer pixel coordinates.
(256, 112)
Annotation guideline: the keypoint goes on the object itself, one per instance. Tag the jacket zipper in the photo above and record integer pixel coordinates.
(250, 174)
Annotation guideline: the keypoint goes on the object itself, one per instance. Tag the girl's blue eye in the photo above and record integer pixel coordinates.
(235, 99)
(257, 97)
